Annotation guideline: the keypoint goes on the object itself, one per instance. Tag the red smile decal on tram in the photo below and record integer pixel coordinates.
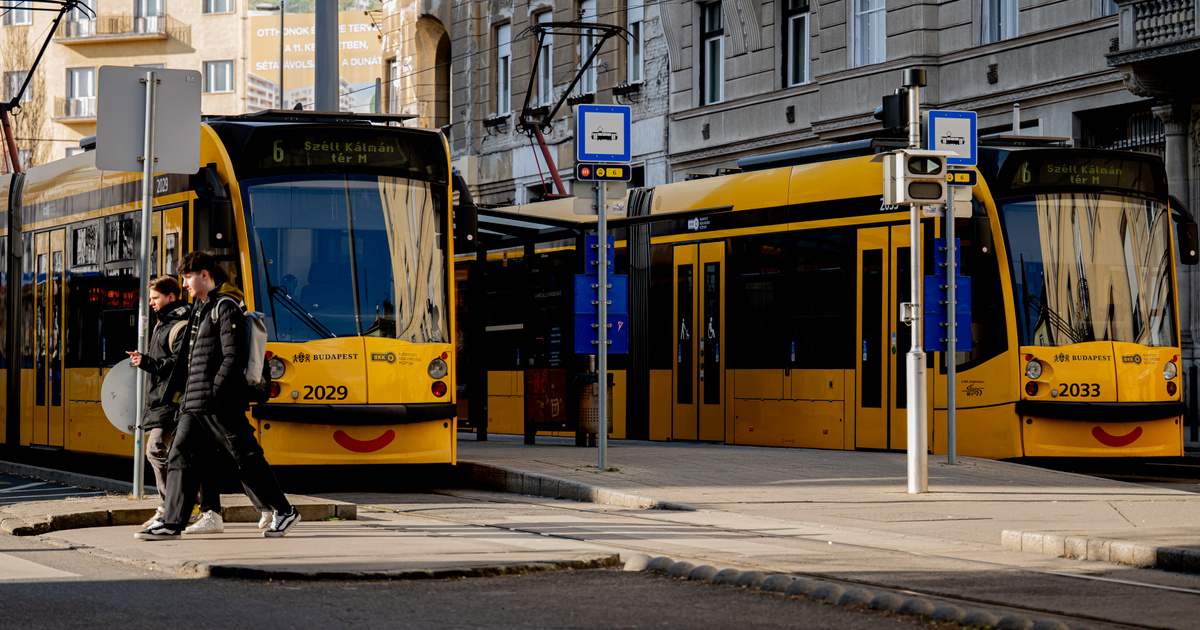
(1108, 439)
(368, 446)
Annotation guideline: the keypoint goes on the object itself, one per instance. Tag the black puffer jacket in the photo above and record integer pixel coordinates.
(214, 380)
(158, 362)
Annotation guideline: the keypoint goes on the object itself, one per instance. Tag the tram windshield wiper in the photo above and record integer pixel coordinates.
(299, 311)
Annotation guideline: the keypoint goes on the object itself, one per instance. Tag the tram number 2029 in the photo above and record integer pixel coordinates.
(325, 392)
(1079, 390)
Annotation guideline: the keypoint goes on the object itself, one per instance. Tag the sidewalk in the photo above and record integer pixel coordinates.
(977, 509)
(981, 502)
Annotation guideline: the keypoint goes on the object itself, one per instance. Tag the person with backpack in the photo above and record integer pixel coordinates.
(210, 375)
(158, 418)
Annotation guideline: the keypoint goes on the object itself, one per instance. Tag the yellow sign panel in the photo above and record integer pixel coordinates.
(360, 61)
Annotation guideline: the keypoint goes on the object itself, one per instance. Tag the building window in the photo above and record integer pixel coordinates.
(81, 92)
(394, 83)
(503, 69)
(149, 16)
(999, 20)
(795, 42)
(1108, 7)
(633, 56)
(218, 76)
(870, 32)
(712, 54)
(80, 22)
(218, 6)
(587, 42)
(12, 84)
(19, 15)
(545, 63)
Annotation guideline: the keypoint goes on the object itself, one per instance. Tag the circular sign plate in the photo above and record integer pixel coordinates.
(118, 394)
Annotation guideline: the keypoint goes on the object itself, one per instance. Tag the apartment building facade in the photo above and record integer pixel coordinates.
(59, 107)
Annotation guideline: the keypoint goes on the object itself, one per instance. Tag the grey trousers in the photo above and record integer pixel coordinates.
(158, 445)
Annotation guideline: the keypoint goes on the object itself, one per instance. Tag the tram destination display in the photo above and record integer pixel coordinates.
(1048, 171)
(271, 151)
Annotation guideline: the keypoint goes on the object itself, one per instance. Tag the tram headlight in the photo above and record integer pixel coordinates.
(1170, 371)
(437, 369)
(1033, 369)
(276, 367)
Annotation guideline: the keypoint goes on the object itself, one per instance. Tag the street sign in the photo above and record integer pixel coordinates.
(960, 178)
(592, 172)
(121, 120)
(954, 132)
(602, 133)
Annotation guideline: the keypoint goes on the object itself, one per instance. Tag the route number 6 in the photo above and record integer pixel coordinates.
(277, 153)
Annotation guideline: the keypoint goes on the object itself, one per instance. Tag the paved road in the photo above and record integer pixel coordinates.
(49, 587)
(14, 489)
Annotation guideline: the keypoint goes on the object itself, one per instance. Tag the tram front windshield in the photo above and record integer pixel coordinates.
(1090, 267)
(349, 255)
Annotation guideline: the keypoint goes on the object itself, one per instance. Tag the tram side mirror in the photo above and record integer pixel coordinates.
(466, 218)
(1185, 225)
(213, 209)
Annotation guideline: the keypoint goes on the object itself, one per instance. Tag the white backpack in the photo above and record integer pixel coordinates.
(257, 376)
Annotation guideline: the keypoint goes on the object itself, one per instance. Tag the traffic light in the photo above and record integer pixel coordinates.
(914, 177)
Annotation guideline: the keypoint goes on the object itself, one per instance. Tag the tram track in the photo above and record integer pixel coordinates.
(1064, 580)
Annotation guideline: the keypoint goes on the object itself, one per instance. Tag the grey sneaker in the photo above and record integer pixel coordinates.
(157, 531)
(209, 523)
(158, 514)
(282, 523)
(264, 521)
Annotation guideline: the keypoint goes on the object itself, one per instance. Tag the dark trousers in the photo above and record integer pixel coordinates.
(195, 436)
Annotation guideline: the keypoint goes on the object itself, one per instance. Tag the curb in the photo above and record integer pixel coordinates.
(74, 479)
(598, 561)
(502, 479)
(844, 594)
(44, 524)
(1102, 550)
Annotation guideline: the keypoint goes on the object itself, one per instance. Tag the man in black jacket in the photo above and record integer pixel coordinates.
(212, 379)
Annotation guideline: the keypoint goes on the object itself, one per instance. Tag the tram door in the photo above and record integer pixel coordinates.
(698, 375)
(49, 315)
(883, 340)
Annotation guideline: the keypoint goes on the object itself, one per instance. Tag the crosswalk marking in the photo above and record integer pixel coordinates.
(13, 568)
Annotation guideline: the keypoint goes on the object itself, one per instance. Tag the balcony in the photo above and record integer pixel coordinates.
(1156, 39)
(75, 109)
(109, 28)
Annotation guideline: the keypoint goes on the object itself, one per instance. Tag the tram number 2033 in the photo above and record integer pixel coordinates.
(1079, 390)
(325, 392)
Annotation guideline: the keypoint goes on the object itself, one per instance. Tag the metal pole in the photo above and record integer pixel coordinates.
(1016, 119)
(951, 332)
(918, 441)
(602, 337)
(378, 95)
(139, 459)
(325, 97)
(282, 10)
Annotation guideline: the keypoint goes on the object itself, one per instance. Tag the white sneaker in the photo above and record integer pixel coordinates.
(209, 523)
(158, 514)
(264, 521)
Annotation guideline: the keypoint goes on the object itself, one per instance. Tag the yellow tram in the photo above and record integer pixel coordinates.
(339, 230)
(763, 308)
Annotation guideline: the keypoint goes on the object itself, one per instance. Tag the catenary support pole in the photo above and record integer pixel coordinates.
(326, 88)
(139, 440)
(917, 413)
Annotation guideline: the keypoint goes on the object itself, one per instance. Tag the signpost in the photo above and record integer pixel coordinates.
(602, 135)
(126, 126)
(955, 132)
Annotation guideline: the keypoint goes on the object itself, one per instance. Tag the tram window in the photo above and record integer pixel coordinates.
(121, 239)
(661, 336)
(28, 277)
(4, 288)
(118, 316)
(989, 331)
(87, 245)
